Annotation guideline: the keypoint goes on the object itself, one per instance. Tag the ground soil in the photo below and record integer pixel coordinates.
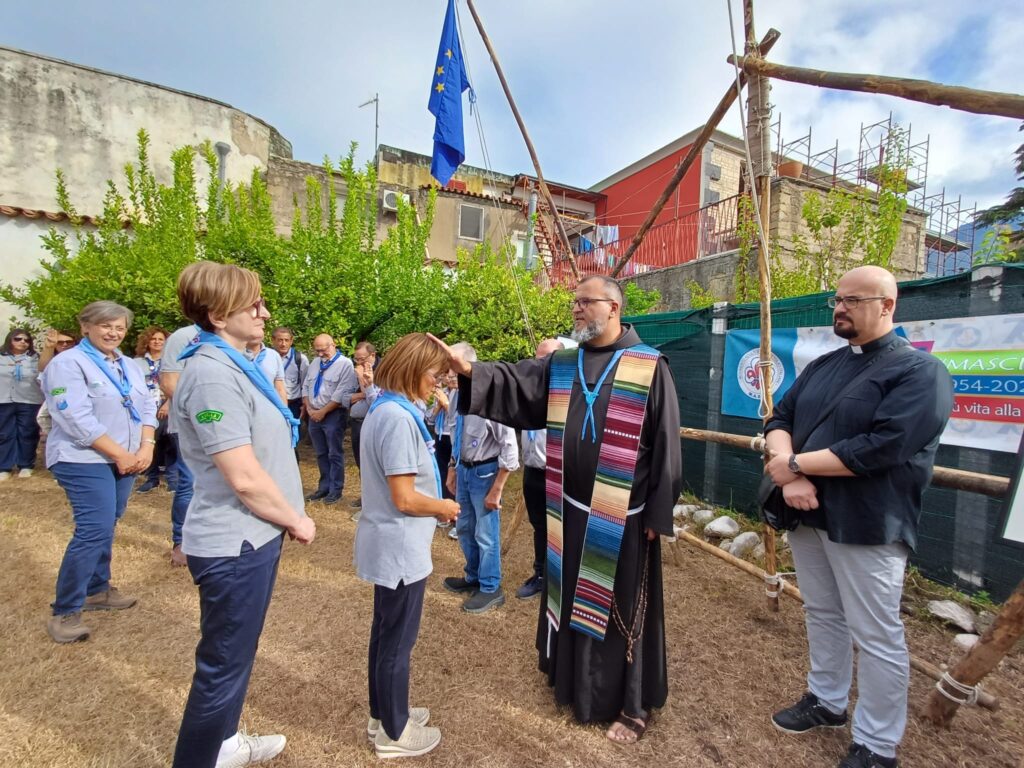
(117, 699)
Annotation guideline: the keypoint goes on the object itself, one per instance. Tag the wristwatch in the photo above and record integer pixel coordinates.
(793, 466)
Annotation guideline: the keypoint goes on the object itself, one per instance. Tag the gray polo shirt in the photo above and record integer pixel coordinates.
(485, 439)
(24, 389)
(390, 546)
(270, 363)
(535, 454)
(339, 383)
(169, 363)
(218, 408)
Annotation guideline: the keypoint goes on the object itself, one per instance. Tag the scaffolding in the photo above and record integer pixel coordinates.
(947, 239)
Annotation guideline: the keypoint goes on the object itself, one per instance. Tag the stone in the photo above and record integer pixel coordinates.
(702, 516)
(984, 621)
(683, 511)
(723, 527)
(726, 544)
(783, 540)
(952, 612)
(965, 642)
(744, 543)
(757, 553)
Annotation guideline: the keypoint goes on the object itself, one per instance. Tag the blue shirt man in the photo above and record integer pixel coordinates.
(327, 394)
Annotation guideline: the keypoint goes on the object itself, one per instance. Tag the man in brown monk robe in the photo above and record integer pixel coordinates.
(614, 668)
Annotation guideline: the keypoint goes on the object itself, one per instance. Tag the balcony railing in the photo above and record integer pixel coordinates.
(704, 232)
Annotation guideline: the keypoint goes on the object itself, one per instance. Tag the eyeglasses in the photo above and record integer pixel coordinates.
(259, 306)
(111, 328)
(360, 360)
(19, 338)
(851, 302)
(584, 303)
(64, 342)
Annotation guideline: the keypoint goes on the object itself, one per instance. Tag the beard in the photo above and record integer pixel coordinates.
(846, 331)
(590, 331)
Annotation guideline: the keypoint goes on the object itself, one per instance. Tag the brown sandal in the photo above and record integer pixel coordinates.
(631, 724)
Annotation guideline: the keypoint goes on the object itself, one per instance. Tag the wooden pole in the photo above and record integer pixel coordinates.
(952, 96)
(517, 520)
(758, 117)
(986, 700)
(563, 236)
(1005, 631)
(696, 149)
(944, 477)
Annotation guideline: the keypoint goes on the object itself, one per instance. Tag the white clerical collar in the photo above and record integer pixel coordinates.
(856, 349)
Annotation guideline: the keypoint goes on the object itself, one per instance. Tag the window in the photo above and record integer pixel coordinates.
(471, 222)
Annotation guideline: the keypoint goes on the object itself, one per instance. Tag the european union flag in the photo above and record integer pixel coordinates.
(445, 103)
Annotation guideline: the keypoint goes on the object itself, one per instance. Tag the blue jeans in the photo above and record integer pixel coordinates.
(396, 625)
(234, 594)
(479, 528)
(98, 496)
(19, 435)
(183, 490)
(328, 437)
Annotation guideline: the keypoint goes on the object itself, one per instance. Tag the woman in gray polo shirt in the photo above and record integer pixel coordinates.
(236, 436)
(401, 490)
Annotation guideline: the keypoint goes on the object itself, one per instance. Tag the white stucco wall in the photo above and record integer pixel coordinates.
(59, 115)
(20, 252)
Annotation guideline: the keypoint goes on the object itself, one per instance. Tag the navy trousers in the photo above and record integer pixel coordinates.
(443, 454)
(535, 498)
(356, 429)
(183, 491)
(234, 594)
(19, 435)
(98, 497)
(396, 625)
(328, 438)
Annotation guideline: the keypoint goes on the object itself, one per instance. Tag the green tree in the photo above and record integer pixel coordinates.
(1007, 218)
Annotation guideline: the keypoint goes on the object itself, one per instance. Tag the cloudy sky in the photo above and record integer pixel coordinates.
(600, 83)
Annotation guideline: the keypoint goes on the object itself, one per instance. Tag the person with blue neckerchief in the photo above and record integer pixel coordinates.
(104, 421)
(237, 436)
(402, 503)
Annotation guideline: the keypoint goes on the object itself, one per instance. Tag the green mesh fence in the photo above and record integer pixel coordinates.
(958, 538)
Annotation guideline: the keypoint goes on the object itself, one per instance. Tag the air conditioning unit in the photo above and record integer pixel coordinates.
(390, 200)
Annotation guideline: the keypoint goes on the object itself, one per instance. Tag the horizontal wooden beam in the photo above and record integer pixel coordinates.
(952, 96)
(944, 477)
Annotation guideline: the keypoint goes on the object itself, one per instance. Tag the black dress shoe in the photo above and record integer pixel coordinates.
(317, 495)
(332, 499)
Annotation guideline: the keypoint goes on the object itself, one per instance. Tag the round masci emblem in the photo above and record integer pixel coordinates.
(749, 378)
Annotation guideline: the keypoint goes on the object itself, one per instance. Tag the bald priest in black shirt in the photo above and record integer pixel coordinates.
(857, 479)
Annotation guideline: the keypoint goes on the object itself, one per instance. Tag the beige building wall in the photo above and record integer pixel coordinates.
(787, 201)
(731, 164)
(500, 220)
(54, 114)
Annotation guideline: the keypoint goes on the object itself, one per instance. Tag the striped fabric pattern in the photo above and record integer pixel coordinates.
(616, 468)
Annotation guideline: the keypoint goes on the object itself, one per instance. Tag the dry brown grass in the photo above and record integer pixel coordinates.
(116, 700)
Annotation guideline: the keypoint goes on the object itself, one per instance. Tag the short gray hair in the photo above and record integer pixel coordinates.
(466, 350)
(611, 288)
(105, 312)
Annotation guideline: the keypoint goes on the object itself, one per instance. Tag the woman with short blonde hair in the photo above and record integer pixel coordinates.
(401, 506)
(236, 436)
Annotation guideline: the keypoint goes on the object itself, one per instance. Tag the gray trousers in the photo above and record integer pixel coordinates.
(852, 596)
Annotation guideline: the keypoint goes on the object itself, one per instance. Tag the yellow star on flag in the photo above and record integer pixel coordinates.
(439, 87)
(440, 71)
(448, 53)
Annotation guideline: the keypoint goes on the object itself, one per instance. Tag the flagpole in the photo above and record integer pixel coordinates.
(563, 236)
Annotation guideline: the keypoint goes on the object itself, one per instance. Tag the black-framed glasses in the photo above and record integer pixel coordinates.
(584, 303)
(851, 302)
(19, 338)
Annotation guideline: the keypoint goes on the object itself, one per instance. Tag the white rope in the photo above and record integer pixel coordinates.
(773, 583)
(506, 248)
(968, 692)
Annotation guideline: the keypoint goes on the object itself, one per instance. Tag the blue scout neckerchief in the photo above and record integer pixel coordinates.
(123, 386)
(289, 358)
(403, 402)
(253, 373)
(320, 376)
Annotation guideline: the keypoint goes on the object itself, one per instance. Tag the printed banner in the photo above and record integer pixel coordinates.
(984, 355)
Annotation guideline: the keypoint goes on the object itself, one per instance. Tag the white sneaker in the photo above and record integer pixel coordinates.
(416, 740)
(418, 715)
(253, 749)
(4, 476)
(25, 472)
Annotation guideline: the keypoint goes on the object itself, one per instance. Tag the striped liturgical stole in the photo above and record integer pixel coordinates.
(609, 505)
